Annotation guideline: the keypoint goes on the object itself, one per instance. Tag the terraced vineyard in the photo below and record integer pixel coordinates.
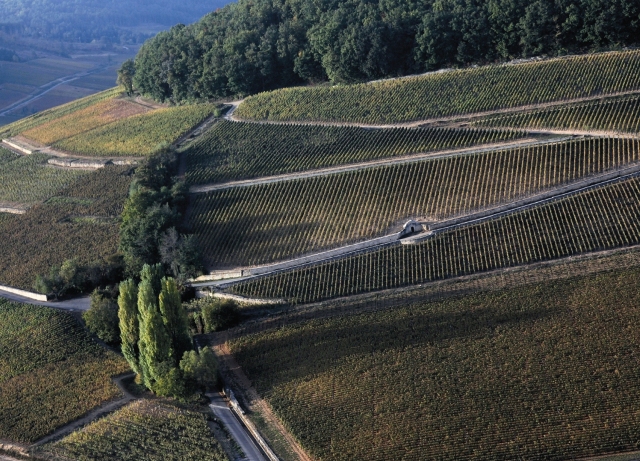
(51, 371)
(272, 222)
(50, 233)
(246, 150)
(541, 372)
(7, 156)
(143, 431)
(49, 115)
(452, 93)
(83, 120)
(598, 219)
(619, 115)
(27, 180)
(141, 135)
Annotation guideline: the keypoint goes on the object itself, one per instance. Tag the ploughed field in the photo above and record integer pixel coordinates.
(142, 431)
(540, 372)
(273, 222)
(446, 94)
(51, 371)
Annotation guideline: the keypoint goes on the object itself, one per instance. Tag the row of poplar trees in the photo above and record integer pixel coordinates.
(154, 331)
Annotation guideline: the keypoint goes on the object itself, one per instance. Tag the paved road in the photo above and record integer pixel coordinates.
(235, 428)
(77, 304)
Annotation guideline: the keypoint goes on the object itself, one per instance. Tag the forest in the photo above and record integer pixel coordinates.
(258, 45)
(106, 20)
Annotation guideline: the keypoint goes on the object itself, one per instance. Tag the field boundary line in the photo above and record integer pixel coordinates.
(234, 377)
(449, 118)
(94, 414)
(400, 160)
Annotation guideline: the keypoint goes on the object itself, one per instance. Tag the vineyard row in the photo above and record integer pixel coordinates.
(620, 115)
(274, 222)
(452, 93)
(600, 219)
(234, 150)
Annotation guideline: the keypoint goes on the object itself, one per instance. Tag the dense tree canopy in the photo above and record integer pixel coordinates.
(256, 45)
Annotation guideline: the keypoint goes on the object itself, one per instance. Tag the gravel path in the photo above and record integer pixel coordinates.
(76, 304)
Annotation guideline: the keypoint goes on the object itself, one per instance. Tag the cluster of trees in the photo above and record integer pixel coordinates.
(155, 338)
(256, 45)
(152, 216)
(106, 20)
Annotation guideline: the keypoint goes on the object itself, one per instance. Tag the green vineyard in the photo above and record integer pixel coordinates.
(49, 115)
(273, 222)
(452, 93)
(7, 156)
(232, 151)
(27, 180)
(138, 136)
(542, 372)
(45, 352)
(52, 232)
(620, 115)
(598, 219)
(143, 431)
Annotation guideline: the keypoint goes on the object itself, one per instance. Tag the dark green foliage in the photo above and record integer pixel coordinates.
(181, 254)
(72, 278)
(219, 315)
(257, 45)
(154, 331)
(200, 369)
(102, 318)
(125, 75)
(153, 207)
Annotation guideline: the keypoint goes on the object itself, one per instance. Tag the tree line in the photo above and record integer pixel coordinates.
(257, 45)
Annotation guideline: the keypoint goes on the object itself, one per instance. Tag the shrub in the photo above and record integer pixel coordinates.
(102, 318)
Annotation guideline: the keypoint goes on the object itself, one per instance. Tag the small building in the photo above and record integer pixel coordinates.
(411, 227)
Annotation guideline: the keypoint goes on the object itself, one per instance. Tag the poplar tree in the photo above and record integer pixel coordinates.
(174, 318)
(156, 354)
(129, 326)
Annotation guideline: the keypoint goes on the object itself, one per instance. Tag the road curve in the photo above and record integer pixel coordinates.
(76, 304)
(235, 428)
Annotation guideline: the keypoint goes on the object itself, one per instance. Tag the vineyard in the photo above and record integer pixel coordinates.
(544, 372)
(143, 431)
(452, 93)
(598, 219)
(619, 115)
(273, 222)
(50, 233)
(84, 120)
(246, 150)
(51, 371)
(57, 112)
(27, 180)
(140, 135)
(7, 156)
